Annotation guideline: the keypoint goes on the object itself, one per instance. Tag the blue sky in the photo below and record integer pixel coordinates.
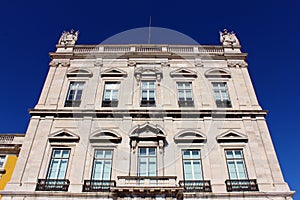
(268, 30)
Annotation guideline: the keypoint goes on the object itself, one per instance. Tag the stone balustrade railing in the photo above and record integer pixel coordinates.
(147, 181)
(6, 139)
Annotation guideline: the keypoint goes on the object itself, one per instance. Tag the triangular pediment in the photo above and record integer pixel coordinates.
(113, 72)
(79, 73)
(105, 136)
(147, 131)
(183, 72)
(190, 136)
(217, 73)
(232, 136)
(63, 136)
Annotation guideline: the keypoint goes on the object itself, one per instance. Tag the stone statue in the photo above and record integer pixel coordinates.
(68, 38)
(229, 38)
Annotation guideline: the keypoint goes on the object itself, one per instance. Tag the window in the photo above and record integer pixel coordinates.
(58, 164)
(192, 166)
(148, 93)
(236, 164)
(185, 98)
(221, 95)
(147, 162)
(74, 94)
(2, 161)
(111, 94)
(102, 165)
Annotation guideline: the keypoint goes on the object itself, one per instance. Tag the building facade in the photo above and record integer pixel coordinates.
(147, 122)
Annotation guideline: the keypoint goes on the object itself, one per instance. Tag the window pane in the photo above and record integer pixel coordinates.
(152, 151)
(143, 151)
(62, 169)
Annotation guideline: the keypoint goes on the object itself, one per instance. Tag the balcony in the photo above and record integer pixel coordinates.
(70, 103)
(223, 103)
(196, 186)
(147, 180)
(52, 185)
(189, 103)
(241, 185)
(97, 185)
(110, 103)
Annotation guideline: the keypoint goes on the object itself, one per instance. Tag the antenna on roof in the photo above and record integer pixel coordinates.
(149, 33)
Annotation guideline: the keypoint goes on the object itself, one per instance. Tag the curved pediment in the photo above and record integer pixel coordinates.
(113, 72)
(183, 73)
(147, 131)
(217, 73)
(189, 136)
(105, 136)
(63, 136)
(79, 73)
(232, 136)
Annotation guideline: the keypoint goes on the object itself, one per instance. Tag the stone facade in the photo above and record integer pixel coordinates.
(146, 122)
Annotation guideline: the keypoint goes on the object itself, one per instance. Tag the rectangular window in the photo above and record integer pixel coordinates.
(111, 94)
(147, 161)
(221, 95)
(185, 97)
(74, 94)
(2, 161)
(58, 164)
(148, 93)
(236, 164)
(192, 166)
(102, 164)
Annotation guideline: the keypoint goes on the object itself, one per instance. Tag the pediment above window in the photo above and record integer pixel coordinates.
(106, 136)
(79, 73)
(190, 136)
(217, 73)
(147, 131)
(63, 136)
(147, 72)
(232, 136)
(183, 73)
(113, 72)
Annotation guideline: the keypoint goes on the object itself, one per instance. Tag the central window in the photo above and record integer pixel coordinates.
(74, 94)
(102, 165)
(147, 161)
(148, 93)
(185, 98)
(111, 94)
(58, 164)
(221, 95)
(192, 166)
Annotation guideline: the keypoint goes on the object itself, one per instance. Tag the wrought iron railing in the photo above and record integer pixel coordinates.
(52, 185)
(97, 185)
(113, 103)
(241, 185)
(196, 185)
(187, 103)
(160, 181)
(70, 103)
(223, 103)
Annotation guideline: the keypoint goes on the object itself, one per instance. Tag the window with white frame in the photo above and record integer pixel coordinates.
(221, 94)
(102, 164)
(2, 161)
(185, 97)
(147, 161)
(74, 94)
(111, 94)
(58, 164)
(236, 164)
(148, 93)
(192, 166)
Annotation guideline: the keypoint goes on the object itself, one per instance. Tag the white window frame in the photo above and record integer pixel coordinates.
(235, 160)
(60, 159)
(112, 90)
(184, 90)
(191, 159)
(148, 89)
(103, 159)
(76, 89)
(147, 156)
(221, 90)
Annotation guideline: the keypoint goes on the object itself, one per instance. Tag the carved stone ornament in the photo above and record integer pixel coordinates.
(229, 38)
(198, 63)
(65, 64)
(154, 72)
(98, 64)
(165, 64)
(131, 63)
(53, 63)
(237, 64)
(68, 38)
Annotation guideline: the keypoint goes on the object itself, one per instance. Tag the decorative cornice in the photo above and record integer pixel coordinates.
(237, 64)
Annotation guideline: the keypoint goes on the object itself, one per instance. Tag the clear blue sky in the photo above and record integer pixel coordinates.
(268, 30)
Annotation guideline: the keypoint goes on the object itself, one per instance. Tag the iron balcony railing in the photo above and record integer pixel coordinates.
(241, 185)
(52, 185)
(196, 185)
(98, 185)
